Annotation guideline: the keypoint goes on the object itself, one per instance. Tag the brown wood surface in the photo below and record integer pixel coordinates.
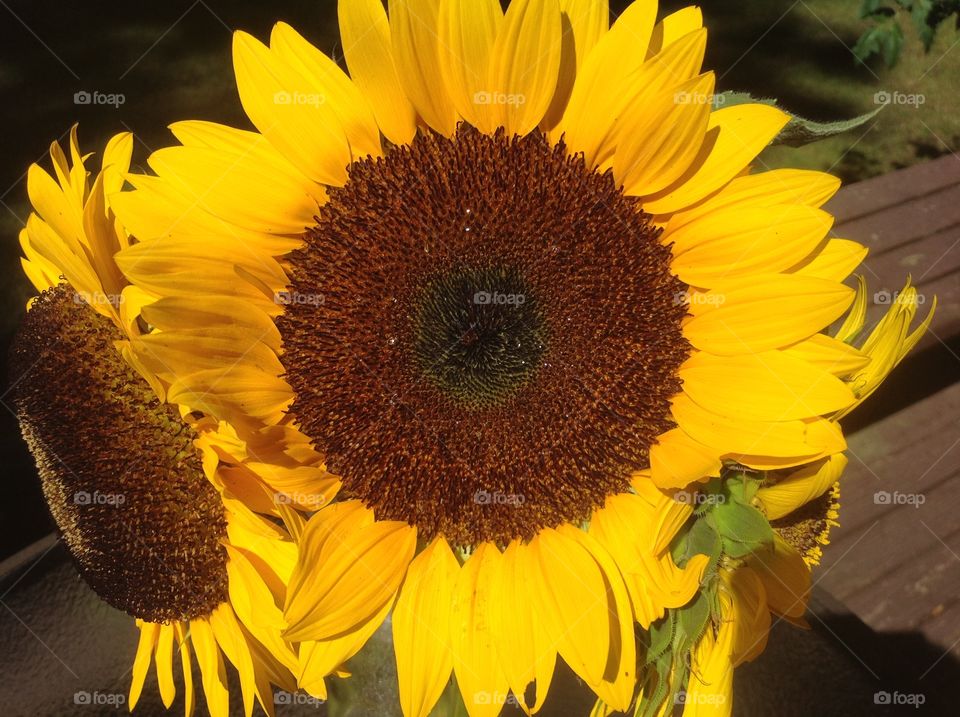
(897, 565)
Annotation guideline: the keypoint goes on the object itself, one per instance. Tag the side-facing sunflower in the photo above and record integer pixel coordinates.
(515, 282)
(151, 499)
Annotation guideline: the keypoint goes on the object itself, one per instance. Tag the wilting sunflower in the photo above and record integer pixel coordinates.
(147, 496)
(515, 282)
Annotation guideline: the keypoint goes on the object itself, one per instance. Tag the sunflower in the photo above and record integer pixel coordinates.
(144, 493)
(514, 283)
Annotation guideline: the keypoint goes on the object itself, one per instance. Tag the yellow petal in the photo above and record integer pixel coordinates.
(835, 261)
(800, 487)
(765, 386)
(829, 354)
(183, 645)
(164, 659)
(367, 48)
(468, 32)
(786, 578)
(769, 312)
(334, 87)
(212, 670)
(788, 439)
(733, 242)
(586, 612)
(583, 23)
(597, 97)
(476, 664)
(676, 460)
(421, 628)
(290, 112)
(232, 641)
(362, 569)
(527, 656)
(673, 27)
(414, 28)
(661, 141)
(764, 189)
(141, 662)
(735, 136)
(525, 64)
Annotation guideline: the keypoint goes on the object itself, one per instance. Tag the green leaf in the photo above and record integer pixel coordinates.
(890, 44)
(701, 538)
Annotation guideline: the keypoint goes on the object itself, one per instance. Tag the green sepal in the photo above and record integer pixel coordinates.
(743, 529)
(799, 131)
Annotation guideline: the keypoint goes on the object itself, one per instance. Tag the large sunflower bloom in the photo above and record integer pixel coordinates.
(145, 495)
(513, 281)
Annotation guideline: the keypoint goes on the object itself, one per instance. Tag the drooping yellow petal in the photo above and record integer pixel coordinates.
(368, 50)
(476, 663)
(735, 136)
(786, 578)
(800, 487)
(141, 662)
(586, 612)
(231, 639)
(212, 670)
(421, 628)
(414, 30)
(183, 645)
(526, 654)
(164, 659)
(363, 569)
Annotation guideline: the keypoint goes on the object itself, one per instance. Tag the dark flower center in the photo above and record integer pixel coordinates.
(119, 469)
(478, 335)
(498, 340)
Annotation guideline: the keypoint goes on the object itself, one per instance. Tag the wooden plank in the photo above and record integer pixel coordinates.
(913, 592)
(894, 188)
(890, 541)
(912, 450)
(891, 227)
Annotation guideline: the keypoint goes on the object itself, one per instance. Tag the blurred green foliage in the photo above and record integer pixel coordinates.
(885, 36)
